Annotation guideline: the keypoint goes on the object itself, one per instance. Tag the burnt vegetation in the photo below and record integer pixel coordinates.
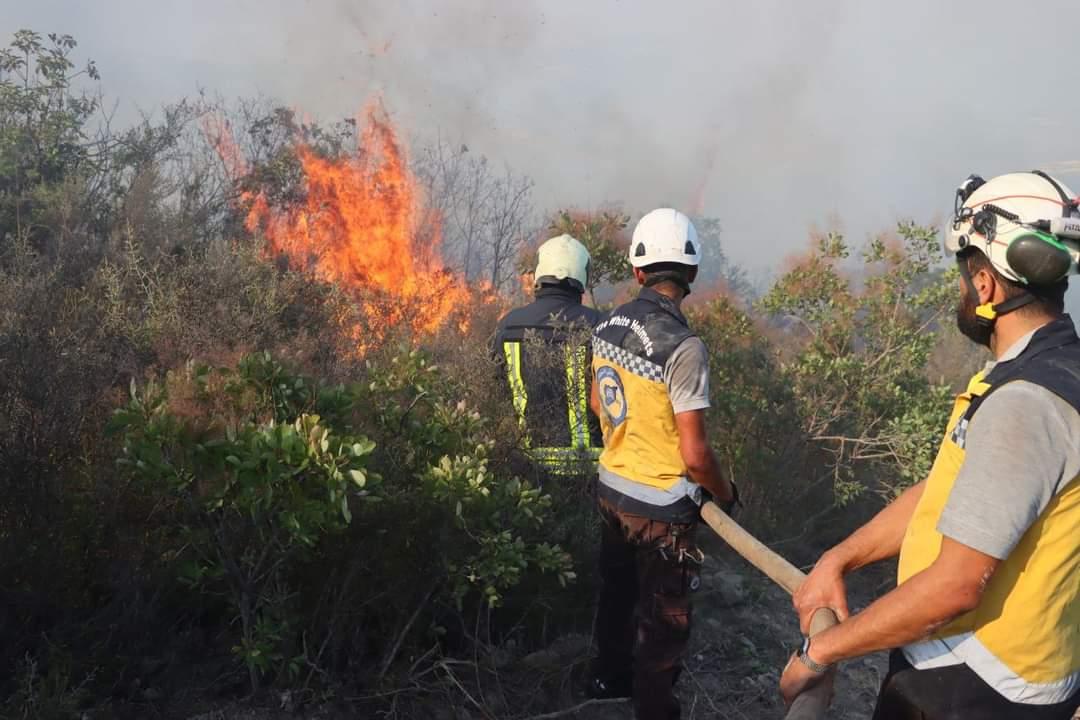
(209, 493)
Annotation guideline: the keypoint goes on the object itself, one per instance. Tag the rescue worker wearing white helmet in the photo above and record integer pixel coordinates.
(544, 349)
(651, 391)
(985, 619)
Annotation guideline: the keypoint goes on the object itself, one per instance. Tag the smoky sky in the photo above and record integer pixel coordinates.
(773, 116)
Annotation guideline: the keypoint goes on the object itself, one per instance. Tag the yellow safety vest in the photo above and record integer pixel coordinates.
(630, 350)
(1024, 637)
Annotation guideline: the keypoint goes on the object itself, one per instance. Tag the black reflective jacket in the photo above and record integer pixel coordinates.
(544, 347)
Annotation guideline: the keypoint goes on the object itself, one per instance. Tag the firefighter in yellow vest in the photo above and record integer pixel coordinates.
(985, 619)
(650, 390)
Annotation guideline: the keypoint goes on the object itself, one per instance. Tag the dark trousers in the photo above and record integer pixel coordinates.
(648, 571)
(953, 693)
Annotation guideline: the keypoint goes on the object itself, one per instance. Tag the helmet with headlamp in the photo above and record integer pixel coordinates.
(1026, 224)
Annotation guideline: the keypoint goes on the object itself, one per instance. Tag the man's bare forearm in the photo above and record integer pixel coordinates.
(701, 463)
(952, 585)
(909, 613)
(880, 538)
(707, 474)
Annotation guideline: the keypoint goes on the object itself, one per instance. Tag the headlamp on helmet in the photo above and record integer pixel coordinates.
(1027, 225)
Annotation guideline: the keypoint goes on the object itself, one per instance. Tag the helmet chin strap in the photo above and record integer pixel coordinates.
(987, 313)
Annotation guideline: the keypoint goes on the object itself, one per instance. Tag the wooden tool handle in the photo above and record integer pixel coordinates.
(813, 703)
(757, 554)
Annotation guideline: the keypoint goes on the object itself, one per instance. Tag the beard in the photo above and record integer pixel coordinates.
(968, 322)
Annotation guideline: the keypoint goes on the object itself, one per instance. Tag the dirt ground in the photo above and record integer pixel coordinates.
(744, 631)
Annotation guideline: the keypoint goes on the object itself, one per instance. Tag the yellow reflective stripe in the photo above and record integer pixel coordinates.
(575, 382)
(565, 461)
(581, 355)
(577, 399)
(512, 351)
(571, 406)
(563, 453)
(555, 453)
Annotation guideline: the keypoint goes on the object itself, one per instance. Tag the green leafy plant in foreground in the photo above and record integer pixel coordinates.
(270, 480)
(252, 495)
(491, 530)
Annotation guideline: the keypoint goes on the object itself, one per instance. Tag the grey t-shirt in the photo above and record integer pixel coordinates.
(686, 376)
(1022, 447)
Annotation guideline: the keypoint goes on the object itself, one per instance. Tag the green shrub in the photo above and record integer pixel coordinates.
(270, 477)
(856, 356)
(252, 489)
(489, 528)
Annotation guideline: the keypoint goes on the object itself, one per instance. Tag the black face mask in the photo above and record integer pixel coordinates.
(968, 322)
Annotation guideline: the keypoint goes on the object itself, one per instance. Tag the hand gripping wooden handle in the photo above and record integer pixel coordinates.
(813, 703)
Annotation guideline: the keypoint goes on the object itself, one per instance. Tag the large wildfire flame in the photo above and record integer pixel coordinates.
(358, 228)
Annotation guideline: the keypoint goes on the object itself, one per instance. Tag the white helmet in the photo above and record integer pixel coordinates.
(563, 258)
(664, 236)
(1027, 225)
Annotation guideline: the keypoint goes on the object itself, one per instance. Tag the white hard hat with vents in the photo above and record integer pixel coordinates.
(563, 258)
(1026, 224)
(665, 236)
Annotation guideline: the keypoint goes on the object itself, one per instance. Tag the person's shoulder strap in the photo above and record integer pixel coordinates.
(1053, 364)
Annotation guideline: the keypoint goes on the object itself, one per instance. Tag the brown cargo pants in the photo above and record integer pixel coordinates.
(648, 569)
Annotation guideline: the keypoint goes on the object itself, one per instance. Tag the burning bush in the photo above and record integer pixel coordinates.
(358, 227)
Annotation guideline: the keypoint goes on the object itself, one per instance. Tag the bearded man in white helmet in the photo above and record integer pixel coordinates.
(651, 390)
(985, 619)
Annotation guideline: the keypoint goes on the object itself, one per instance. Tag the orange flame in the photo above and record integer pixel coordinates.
(219, 132)
(358, 227)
